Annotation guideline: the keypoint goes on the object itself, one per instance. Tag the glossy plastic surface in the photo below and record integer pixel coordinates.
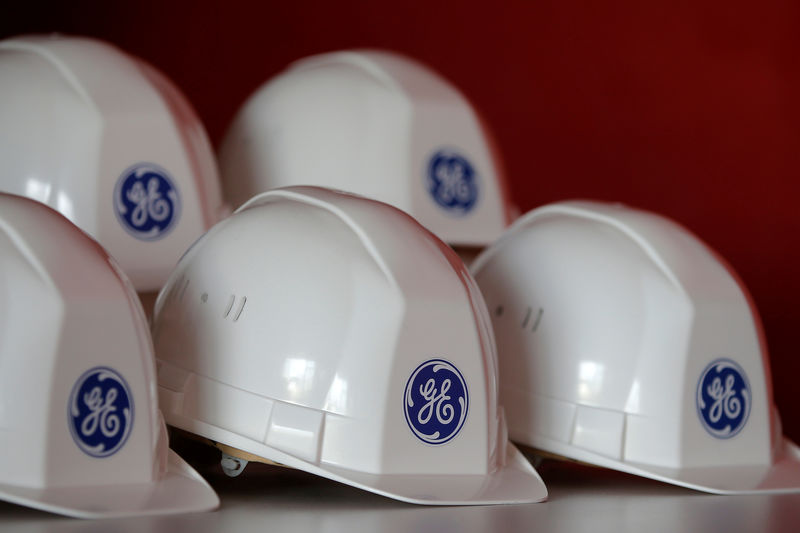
(582, 500)
(624, 341)
(293, 331)
(76, 117)
(69, 315)
(376, 124)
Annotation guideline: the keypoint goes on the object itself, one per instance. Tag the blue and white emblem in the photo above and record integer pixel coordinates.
(452, 182)
(436, 401)
(100, 412)
(723, 398)
(146, 201)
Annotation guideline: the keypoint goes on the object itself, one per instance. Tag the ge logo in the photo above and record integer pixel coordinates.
(146, 202)
(436, 401)
(452, 182)
(723, 398)
(100, 412)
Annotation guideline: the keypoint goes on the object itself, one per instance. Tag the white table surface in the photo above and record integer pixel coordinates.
(267, 498)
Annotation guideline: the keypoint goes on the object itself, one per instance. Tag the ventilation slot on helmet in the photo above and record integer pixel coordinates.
(237, 309)
(536, 319)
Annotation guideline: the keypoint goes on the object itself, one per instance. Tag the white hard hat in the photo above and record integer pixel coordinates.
(377, 124)
(109, 142)
(333, 334)
(81, 431)
(626, 342)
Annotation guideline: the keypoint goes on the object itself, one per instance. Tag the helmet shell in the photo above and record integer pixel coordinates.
(625, 341)
(77, 390)
(377, 124)
(108, 141)
(298, 329)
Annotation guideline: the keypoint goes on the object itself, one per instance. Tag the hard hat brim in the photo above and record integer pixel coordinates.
(782, 476)
(181, 490)
(516, 481)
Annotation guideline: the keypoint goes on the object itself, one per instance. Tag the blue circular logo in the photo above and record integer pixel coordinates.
(146, 201)
(100, 412)
(452, 182)
(723, 398)
(436, 401)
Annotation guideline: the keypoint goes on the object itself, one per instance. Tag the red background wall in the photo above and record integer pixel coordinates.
(689, 109)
